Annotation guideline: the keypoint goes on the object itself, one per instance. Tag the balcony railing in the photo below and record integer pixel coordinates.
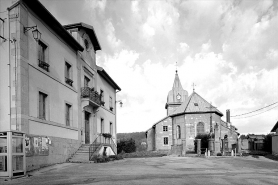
(43, 65)
(68, 81)
(87, 92)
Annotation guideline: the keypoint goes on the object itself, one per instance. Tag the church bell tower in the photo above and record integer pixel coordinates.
(176, 96)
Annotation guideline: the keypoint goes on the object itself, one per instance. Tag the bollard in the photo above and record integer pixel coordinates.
(235, 152)
(208, 153)
(232, 153)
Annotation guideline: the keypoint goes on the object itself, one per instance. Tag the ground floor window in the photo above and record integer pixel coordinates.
(165, 140)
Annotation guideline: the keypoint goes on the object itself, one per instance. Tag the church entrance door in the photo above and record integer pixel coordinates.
(87, 128)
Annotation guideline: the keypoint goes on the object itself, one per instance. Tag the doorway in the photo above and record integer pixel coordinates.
(87, 128)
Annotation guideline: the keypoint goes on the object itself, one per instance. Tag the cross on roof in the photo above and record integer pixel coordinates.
(194, 85)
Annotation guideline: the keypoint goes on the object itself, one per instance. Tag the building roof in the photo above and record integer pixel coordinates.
(158, 122)
(275, 127)
(89, 29)
(42, 13)
(195, 104)
(105, 75)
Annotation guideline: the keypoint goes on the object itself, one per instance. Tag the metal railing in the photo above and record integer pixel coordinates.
(100, 140)
(87, 92)
(43, 65)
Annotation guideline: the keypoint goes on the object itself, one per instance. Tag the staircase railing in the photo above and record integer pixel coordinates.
(101, 140)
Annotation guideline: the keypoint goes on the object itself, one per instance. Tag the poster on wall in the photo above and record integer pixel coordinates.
(36, 146)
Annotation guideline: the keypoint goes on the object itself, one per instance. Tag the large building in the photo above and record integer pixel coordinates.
(186, 118)
(50, 86)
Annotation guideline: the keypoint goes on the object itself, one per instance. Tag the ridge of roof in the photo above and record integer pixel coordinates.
(274, 127)
(184, 106)
(51, 21)
(105, 75)
(158, 122)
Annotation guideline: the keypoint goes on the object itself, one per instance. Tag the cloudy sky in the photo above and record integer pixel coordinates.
(228, 48)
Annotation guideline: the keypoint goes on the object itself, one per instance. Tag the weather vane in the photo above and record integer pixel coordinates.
(194, 85)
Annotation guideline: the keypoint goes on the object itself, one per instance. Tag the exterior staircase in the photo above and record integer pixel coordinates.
(82, 154)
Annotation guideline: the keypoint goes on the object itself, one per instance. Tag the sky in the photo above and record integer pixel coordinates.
(229, 49)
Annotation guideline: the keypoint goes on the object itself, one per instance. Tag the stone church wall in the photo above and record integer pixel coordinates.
(188, 124)
(160, 134)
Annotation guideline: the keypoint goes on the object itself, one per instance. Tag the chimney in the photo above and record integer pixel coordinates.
(228, 116)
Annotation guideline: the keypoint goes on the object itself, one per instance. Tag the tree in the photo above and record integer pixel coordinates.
(126, 145)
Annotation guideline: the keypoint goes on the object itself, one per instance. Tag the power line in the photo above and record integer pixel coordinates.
(258, 113)
(255, 110)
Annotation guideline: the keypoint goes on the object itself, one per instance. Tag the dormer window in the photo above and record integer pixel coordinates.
(86, 44)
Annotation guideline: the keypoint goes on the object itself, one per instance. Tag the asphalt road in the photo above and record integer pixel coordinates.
(162, 170)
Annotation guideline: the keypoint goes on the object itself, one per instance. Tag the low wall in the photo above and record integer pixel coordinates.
(176, 150)
(60, 150)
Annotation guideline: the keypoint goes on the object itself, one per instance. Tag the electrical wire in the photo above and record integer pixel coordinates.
(254, 110)
(258, 113)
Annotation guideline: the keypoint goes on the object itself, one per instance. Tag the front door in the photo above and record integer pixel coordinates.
(87, 128)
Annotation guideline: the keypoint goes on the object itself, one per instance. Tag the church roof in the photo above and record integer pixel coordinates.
(195, 103)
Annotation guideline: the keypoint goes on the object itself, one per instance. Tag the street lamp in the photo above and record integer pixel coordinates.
(120, 102)
(36, 33)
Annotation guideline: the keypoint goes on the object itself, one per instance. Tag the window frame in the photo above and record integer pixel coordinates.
(167, 139)
(68, 73)
(178, 134)
(68, 114)
(43, 55)
(42, 105)
(165, 128)
(102, 125)
(111, 103)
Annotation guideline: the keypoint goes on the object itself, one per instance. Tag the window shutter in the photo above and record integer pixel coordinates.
(40, 105)
(43, 105)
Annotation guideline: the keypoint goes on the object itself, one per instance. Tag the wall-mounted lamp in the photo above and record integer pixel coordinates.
(120, 102)
(36, 33)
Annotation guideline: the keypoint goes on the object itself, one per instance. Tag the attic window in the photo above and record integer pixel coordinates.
(86, 44)
(196, 104)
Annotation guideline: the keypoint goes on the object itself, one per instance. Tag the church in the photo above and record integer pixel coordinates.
(188, 116)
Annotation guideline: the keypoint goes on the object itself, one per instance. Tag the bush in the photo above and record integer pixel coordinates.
(127, 146)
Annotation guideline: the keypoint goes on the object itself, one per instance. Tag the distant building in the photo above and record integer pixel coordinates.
(186, 118)
(275, 139)
(50, 87)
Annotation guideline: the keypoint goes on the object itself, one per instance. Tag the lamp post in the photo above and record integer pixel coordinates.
(36, 33)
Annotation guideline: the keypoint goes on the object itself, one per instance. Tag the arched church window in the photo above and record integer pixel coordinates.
(178, 132)
(200, 128)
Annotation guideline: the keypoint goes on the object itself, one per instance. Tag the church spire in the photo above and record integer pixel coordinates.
(177, 82)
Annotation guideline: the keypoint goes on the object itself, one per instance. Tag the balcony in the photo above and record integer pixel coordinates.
(92, 96)
(68, 81)
(43, 65)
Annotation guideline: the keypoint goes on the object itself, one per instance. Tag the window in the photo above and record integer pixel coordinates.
(200, 128)
(165, 128)
(110, 103)
(101, 125)
(42, 56)
(178, 132)
(102, 97)
(196, 104)
(86, 81)
(86, 44)
(68, 76)
(111, 128)
(42, 105)
(68, 114)
(165, 140)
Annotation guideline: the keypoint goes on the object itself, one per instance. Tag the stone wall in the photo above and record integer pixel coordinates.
(160, 134)
(60, 150)
(150, 139)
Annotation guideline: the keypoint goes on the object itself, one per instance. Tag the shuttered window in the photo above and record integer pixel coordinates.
(42, 105)
(42, 49)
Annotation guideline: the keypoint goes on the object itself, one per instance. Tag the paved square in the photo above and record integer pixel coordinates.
(162, 170)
